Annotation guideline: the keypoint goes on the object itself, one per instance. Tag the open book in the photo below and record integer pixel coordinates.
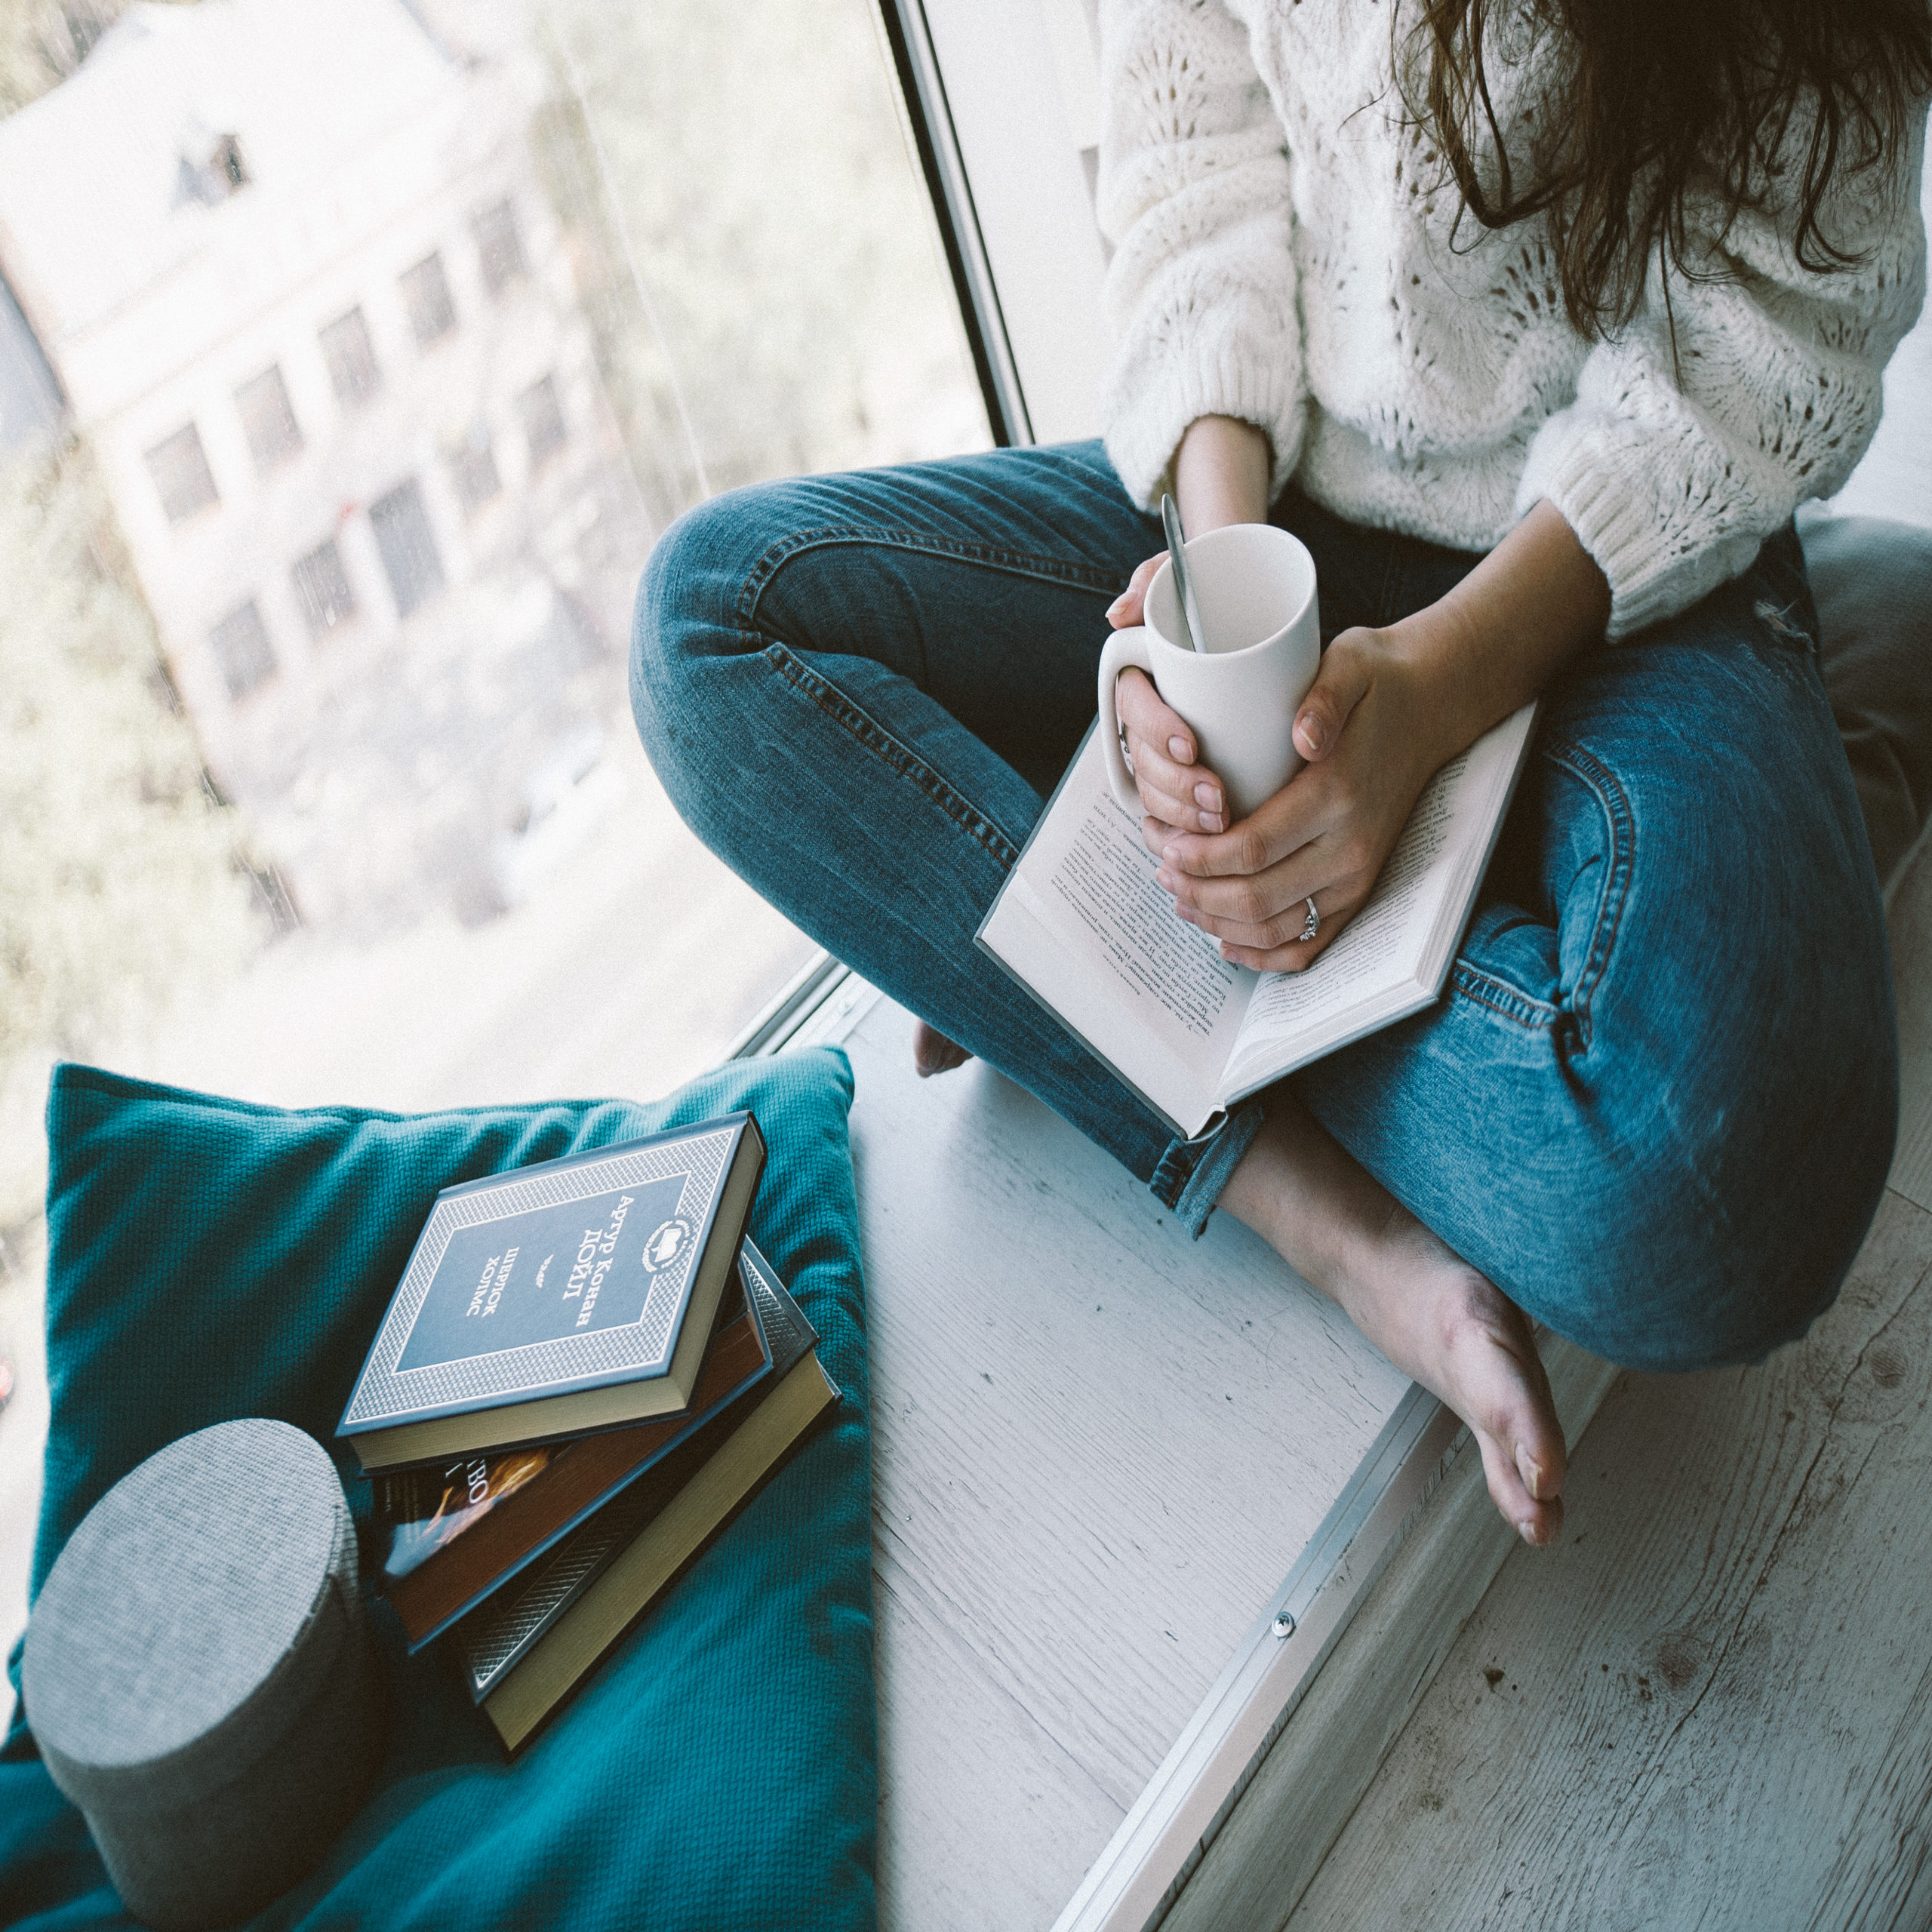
(1082, 925)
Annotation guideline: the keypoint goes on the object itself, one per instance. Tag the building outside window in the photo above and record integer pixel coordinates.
(322, 588)
(407, 545)
(473, 468)
(242, 652)
(456, 801)
(182, 478)
(351, 359)
(425, 295)
(268, 420)
(499, 246)
(543, 413)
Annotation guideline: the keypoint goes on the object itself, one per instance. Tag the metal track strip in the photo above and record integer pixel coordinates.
(1131, 1884)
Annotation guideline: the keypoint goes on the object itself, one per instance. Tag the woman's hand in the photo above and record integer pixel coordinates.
(1388, 709)
(1368, 729)
(1221, 474)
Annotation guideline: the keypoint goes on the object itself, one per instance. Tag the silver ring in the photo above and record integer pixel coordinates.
(1314, 925)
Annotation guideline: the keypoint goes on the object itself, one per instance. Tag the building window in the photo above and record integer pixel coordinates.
(473, 468)
(242, 651)
(179, 468)
(408, 547)
(267, 420)
(426, 294)
(542, 419)
(351, 358)
(211, 167)
(499, 246)
(321, 588)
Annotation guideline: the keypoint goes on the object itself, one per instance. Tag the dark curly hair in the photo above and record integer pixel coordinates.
(1665, 99)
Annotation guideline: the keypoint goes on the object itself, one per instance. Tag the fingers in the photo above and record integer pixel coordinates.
(1129, 607)
(1174, 790)
(1339, 686)
(1275, 944)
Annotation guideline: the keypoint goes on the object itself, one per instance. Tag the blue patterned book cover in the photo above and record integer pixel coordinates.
(552, 1279)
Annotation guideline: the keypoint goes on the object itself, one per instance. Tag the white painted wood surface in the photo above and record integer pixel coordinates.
(1302, 1795)
(1098, 1448)
(1713, 1705)
(1021, 85)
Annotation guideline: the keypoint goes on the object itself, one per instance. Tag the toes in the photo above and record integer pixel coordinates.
(1508, 1396)
(933, 1052)
(1538, 1521)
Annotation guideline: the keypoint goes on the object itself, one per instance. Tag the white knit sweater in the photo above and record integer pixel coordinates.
(1283, 253)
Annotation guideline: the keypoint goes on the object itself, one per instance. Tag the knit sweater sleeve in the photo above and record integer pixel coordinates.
(1697, 431)
(1194, 195)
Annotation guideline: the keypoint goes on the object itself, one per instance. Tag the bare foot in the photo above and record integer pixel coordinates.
(933, 1052)
(1433, 1316)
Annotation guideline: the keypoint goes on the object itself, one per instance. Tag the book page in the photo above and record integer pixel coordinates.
(1105, 879)
(1083, 924)
(1293, 1016)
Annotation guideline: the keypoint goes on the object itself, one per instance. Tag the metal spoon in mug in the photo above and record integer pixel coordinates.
(1192, 632)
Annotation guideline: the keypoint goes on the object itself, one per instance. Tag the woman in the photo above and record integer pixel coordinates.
(1535, 322)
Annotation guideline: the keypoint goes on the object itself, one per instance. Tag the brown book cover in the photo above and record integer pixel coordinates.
(427, 1508)
(525, 1652)
(578, 1477)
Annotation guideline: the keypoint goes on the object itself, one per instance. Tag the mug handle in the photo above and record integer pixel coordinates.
(1125, 649)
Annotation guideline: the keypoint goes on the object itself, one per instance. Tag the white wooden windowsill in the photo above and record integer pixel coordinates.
(1105, 1457)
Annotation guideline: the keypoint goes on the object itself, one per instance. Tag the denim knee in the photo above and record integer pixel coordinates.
(687, 631)
(684, 609)
(1706, 1243)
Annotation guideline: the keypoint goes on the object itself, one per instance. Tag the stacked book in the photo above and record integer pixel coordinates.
(587, 1371)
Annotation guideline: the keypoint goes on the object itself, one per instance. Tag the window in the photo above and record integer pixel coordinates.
(499, 246)
(322, 589)
(426, 294)
(473, 468)
(226, 162)
(351, 358)
(408, 547)
(211, 167)
(180, 468)
(267, 420)
(800, 318)
(242, 651)
(542, 416)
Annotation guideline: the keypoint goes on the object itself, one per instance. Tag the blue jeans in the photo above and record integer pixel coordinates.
(1657, 1103)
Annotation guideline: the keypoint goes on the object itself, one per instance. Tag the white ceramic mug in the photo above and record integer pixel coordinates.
(1255, 587)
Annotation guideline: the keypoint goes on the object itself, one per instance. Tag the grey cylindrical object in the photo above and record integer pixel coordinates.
(198, 1675)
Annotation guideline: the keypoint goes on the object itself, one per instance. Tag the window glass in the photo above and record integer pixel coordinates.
(542, 415)
(407, 546)
(426, 294)
(268, 420)
(242, 650)
(179, 468)
(350, 359)
(332, 793)
(473, 468)
(322, 589)
(499, 247)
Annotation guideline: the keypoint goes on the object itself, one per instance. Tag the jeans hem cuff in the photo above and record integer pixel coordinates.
(1192, 1173)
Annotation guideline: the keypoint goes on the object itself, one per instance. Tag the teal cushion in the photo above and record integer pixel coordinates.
(208, 1259)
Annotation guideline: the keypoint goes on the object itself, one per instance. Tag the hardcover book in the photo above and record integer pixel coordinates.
(1083, 925)
(477, 1552)
(559, 1299)
(528, 1646)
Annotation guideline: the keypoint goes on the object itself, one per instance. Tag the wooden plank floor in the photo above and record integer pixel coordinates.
(1712, 1705)
(1097, 1447)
